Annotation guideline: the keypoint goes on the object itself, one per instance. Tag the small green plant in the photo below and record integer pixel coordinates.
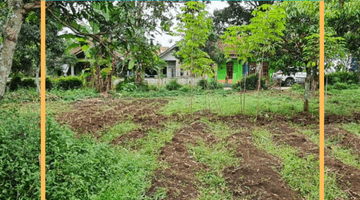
(297, 87)
(250, 83)
(340, 86)
(173, 85)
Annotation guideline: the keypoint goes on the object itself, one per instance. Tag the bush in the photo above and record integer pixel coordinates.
(251, 83)
(340, 86)
(297, 87)
(342, 77)
(69, 82)
(184, 88)
(28, 83)
(173, 85)
(48, 83)
(20, 148)
(212, 84)
(215, 85)
(15, 83)
(129, 85)
(203, 84)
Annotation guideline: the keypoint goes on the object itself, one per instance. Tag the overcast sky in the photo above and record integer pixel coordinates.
(167, 40)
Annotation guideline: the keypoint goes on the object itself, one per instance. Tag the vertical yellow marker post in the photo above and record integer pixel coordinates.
(321, 102)
(43, 74)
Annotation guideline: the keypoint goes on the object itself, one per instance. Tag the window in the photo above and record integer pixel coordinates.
(252, 69)
(265, 69)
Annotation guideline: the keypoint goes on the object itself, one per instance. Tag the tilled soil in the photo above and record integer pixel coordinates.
(343, 137)
(133, 135)
(348, 177)
(254, 176)
(94, 115)
(180, 178)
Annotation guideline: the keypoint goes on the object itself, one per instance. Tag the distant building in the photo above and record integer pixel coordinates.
(173, 68)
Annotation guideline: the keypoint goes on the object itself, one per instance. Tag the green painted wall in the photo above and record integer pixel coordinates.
(222, 71)
(237, 74)
(237, 71)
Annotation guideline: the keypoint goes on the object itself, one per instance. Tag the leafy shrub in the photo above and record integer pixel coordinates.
(342, 77)
(48, 83)
(251, 83)
(20, 148)
(340, 86)
(70, 82)
(297, 87)
(185, 88)
(173, 85)
(203, 84)
(129, 85)
(28, 83)
(15, 83)
(153, 88)
(215, 85)
(212, 84)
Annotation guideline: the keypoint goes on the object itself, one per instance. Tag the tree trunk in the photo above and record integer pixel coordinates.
(307, 90)
(10, 35)
(108, 80)
(38, 88)
(99, 82)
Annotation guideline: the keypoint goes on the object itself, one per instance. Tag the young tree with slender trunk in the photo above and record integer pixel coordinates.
(258, 39)
(195, 27)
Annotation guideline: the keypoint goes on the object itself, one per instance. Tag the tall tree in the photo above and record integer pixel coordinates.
(16, 9)
(343, 16)
(299, 50)
(237, 13)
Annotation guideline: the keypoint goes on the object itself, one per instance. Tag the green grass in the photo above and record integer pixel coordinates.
(269, 101)
(215, 186)
(343, 102)
(344, 154)
(352, 128)
(299, 173)
(117, 130)
(216, 157)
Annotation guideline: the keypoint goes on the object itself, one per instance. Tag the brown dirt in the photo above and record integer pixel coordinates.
(336, 119)
(343, 137)
(346, 175)
(284, 134)
(255, 176)
(94, 115)
(180, 178)
(133, 135)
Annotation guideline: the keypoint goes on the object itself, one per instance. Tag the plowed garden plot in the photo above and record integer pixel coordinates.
(208, 156)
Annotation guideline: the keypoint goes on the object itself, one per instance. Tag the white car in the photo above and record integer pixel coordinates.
(289, 80)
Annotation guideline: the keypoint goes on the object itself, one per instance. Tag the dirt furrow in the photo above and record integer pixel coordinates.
(93, 115)
(254, 176)
(348, 177)
(179, 178)
(342, 137)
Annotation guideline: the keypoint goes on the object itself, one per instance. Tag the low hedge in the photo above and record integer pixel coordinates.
(342, 77)
(65, 83)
